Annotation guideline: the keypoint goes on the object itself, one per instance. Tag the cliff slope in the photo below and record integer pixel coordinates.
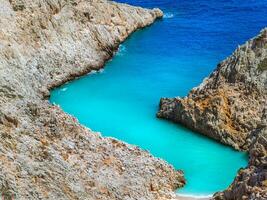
(231, 106)
(45, 153)
(251, 182)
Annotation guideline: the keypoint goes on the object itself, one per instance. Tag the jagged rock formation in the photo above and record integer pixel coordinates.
(250, 183)
(230, 106)
(45, 153)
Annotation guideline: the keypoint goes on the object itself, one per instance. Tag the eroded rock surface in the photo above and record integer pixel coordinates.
(45, 153)
(251, 182)
(230, 106)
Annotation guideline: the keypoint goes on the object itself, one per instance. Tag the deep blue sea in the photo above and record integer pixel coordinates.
(167, 59)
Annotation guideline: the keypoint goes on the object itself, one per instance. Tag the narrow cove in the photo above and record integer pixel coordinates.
(167, 59)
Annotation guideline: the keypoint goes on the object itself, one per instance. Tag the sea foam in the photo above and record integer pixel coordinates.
(121, 51)
(168, 15)
(195, 196)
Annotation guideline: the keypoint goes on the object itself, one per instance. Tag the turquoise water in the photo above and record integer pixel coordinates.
(167, 59)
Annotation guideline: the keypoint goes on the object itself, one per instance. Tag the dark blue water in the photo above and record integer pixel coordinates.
(166, 60)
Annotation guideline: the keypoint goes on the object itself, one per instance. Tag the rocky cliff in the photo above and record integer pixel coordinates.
(251, 182)
(45, 153)
(230, 106)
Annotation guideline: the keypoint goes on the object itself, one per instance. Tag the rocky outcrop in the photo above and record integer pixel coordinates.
(230, 106)
(45, 153)
(250, 183)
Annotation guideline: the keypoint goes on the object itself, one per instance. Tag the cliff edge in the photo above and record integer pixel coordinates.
(44, 152)
(231, 106)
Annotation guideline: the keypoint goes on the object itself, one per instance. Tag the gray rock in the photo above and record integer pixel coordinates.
(230, 106)
(44, 152)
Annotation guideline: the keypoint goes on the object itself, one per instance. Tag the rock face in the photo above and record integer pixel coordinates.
(45, 153)
(250, 183)
(231, 106)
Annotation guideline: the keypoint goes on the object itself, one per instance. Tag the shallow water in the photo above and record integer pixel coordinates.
(166, 60)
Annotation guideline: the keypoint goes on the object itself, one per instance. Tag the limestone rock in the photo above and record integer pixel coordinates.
(250, 183)
(44, 152)
(230, 106)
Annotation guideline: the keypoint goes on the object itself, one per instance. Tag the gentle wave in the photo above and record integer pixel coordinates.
(121, 51)
(195, 196)
(64, 89)
(101, 71)
(96, 71)
(168, 15)
(93, 72)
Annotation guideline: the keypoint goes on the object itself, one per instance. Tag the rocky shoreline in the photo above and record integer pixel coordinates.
(45, 153)
(230, 106)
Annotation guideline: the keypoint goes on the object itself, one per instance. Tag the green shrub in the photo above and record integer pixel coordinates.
(263, 65)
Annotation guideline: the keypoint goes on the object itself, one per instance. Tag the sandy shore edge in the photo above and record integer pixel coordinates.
(188, 197)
